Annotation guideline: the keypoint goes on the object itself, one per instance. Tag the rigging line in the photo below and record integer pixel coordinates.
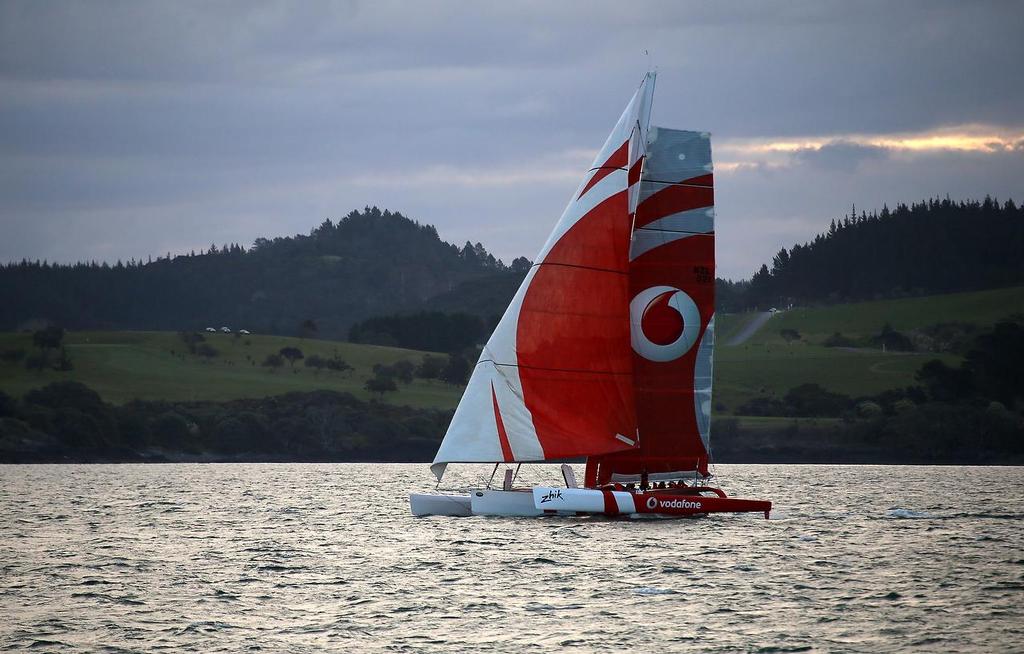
(576, 265)
(516, 365)
(493, 472)
(668, 183)
(672, 231)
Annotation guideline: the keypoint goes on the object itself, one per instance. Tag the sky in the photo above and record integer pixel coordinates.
(137, 129)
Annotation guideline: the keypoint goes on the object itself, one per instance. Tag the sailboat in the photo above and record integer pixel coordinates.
(605, 352)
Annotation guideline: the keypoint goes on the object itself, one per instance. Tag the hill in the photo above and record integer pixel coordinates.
(369, 263)
(770, 364)
(859, 319)
(375, 263)
(937, 246)
(156, 365)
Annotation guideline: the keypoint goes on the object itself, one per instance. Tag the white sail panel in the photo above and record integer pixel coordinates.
(473, 434)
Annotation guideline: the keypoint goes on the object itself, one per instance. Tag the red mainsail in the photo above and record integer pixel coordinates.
(671, 286)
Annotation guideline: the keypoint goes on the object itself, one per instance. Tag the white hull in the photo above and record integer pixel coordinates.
(547, 500)
(486, 502)
(517, 503)
(504, 503)
(436, 504)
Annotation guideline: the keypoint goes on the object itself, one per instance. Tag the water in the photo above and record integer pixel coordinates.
(310, 558)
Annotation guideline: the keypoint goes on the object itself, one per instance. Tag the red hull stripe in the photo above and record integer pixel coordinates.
(617, 161)
(506, 447)
(611, 507)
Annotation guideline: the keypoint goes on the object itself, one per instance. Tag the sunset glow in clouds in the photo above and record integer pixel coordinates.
(138, 129)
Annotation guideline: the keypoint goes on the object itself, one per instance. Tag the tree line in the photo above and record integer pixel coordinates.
(67, 421)
(378, 265)
(931, 247)
(431, 331)
(369, 263)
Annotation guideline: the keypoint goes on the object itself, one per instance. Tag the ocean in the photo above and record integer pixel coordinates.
(326, 557)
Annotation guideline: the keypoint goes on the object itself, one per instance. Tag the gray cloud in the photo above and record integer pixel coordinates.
(129, 129)
(840, 155)
(771, 208)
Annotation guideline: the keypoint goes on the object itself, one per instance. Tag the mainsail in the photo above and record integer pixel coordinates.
(556, 378)
(672, 284)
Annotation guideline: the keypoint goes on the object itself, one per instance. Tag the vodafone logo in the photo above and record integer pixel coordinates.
(665, 323)
(679, 504)
(653, 503)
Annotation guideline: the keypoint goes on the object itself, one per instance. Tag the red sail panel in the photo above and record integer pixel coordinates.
(671, 286)
(665, 389)
(506, 447)
(575, 364)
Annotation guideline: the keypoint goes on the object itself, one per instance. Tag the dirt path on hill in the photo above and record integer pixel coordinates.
(750, 328)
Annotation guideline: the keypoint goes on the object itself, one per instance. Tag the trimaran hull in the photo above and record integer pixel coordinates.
(546, 500)
(605, 352)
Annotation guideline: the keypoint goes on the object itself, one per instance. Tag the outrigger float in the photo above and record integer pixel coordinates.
(606, 350)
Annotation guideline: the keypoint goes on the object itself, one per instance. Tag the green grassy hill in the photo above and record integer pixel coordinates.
(981, 308)
(747, 371)
(768, 365)
(122, 366)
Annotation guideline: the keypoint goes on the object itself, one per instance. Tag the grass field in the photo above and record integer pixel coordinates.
(123, 366)
(748, 371)
(866, 318)
(767, 365)
(728, 324)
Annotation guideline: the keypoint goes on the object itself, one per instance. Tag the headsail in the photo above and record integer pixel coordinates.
(672, 284)
(556, 378)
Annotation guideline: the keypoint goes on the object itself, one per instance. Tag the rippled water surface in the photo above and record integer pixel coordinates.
(308, 558)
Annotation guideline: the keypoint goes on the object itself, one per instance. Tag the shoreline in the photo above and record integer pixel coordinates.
(763, 460)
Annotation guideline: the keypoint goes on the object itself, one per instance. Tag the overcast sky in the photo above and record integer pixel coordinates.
(140, 128)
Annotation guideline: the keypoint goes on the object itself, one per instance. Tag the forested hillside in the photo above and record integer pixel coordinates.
(369, 263)
(378, 264)
(937, 246)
